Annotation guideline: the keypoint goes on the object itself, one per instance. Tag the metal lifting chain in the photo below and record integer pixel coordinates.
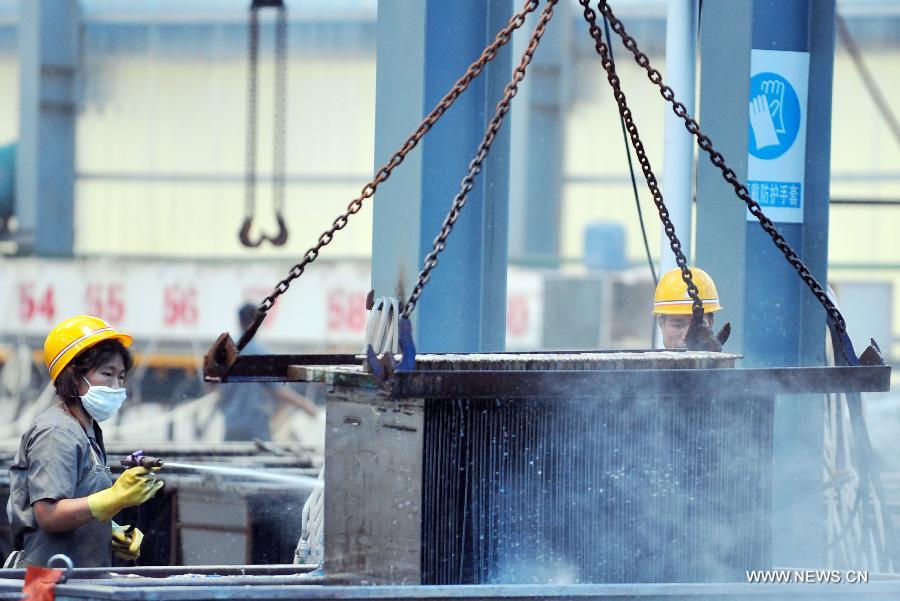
(279, 123)
(490, 52)
(250, 126)
(674, 243)
(718, 160)
(278, 128)
(468, 182)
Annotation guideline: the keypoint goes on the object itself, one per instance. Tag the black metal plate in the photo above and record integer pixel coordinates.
(639, 382)
(273, 368)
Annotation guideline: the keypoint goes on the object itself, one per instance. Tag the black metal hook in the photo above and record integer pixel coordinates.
(282, 236)
(278, 240)
(244, 234)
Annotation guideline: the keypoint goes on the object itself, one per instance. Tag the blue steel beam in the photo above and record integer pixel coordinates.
(49, 43)
(777, 321)
(538, 134)
(721, 233)
(423, 48)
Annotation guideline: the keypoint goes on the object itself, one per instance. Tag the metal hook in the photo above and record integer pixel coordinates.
(244, 234)
(282, 236)
(278, 240)
(67, 563)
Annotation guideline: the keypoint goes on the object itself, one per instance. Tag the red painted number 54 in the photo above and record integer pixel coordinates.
(35, 303)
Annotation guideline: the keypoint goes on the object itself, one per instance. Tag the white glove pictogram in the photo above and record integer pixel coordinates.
(761, 123)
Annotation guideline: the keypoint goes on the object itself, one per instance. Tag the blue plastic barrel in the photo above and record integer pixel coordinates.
(604, 246)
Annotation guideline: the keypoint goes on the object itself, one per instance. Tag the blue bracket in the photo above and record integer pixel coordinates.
(375, 366)
(407, 346)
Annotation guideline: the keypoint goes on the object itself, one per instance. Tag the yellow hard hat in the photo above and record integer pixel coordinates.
(672, 296)
(72, 336)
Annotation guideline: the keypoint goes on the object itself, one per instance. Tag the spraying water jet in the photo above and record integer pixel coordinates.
(138, 458)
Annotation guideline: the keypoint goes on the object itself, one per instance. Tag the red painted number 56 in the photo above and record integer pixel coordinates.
(179, 306)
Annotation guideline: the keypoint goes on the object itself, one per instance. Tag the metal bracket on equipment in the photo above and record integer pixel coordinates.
(383, 367)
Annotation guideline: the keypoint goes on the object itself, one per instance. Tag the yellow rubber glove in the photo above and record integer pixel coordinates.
(126, 541)
(132, 488)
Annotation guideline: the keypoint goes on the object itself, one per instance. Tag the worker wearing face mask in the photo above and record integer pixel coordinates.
(62, 496)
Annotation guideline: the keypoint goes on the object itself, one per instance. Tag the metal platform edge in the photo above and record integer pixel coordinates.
(438, 384)
(643, 382)
(278, 368)
(267, 588)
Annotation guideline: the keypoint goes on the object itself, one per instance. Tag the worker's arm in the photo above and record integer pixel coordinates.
(62, 515)
(290, 397)
(130, 489)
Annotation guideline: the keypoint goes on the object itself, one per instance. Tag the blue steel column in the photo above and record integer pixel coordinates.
(721, 234)
(538, 121)
(777, 320)
(678, 143)
(423, 48)
(45, 179)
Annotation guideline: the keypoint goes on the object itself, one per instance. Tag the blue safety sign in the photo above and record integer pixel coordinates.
(776, 140)
(774, 115)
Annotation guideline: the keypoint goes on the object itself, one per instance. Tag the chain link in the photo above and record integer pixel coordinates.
(252, 94)
(278, 126)
(717, 159)
(503, 37)
(609, 66)
(468, 182)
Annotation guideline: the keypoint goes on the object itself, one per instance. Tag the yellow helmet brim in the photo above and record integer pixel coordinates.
(65, 355)
(685, 307)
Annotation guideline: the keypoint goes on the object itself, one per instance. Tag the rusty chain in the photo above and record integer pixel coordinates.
(668, 227)
(717, 159)
(490, 52)
(468, 182)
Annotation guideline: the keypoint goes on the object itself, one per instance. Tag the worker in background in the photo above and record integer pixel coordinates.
(248, 407)
(673, 307)
(62, 495)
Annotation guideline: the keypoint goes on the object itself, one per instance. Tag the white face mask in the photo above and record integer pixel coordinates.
(102, 402)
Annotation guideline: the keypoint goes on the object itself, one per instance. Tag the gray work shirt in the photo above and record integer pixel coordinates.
(56, 460)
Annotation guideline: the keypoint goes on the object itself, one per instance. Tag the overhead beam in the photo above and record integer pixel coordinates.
(49, 61)
(423, 48)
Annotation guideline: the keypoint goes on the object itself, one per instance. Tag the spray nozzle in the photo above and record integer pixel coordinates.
(139, 459)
